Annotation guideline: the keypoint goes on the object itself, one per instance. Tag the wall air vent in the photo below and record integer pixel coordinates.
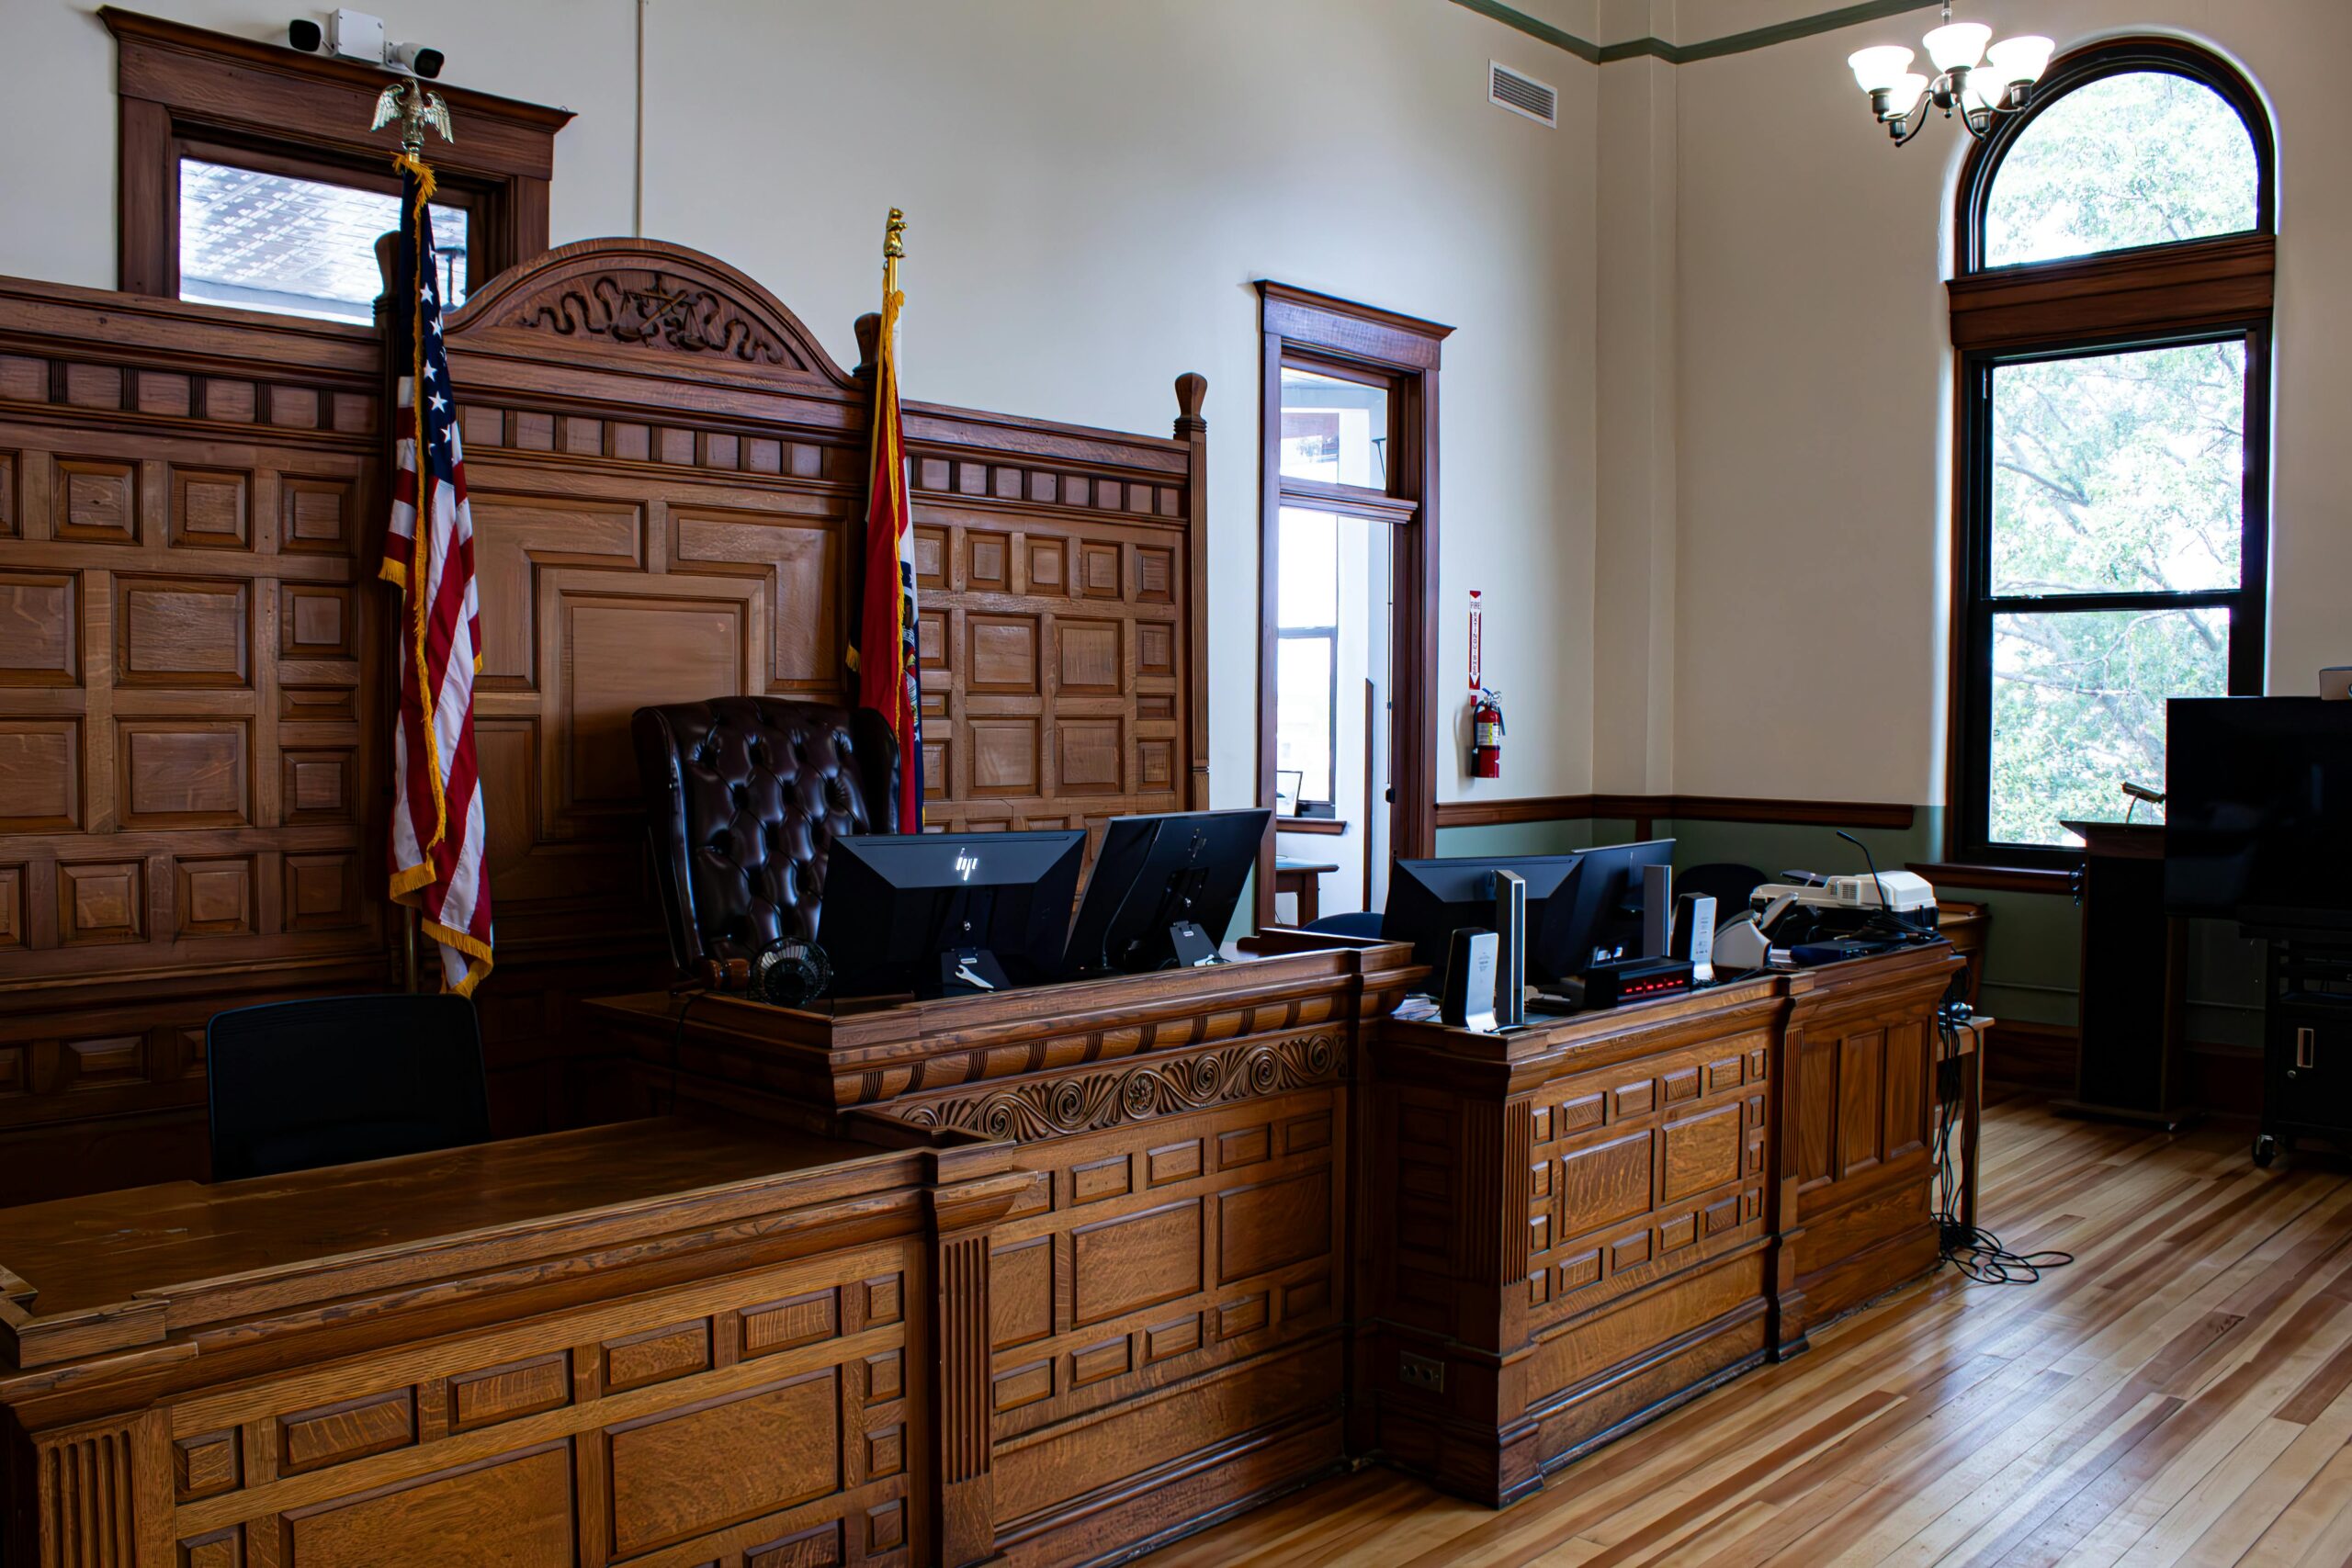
(1522, 95)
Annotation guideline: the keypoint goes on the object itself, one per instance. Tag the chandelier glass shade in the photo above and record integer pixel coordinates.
(1974, 76)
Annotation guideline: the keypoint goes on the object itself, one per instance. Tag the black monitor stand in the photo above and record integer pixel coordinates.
(1193, 947)
(968, 972)
(965, 965)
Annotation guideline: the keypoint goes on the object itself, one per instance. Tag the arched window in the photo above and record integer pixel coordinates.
(2113, 315)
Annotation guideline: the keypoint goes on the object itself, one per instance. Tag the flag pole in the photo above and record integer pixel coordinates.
(894, 246)
(415, 109)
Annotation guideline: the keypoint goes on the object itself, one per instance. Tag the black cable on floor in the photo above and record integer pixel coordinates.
(1977, 1253)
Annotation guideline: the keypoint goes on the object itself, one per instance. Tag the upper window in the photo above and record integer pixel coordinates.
(2140, 158)
(2115, 333)
(1334, 430)
(301, 247)
(249, 175)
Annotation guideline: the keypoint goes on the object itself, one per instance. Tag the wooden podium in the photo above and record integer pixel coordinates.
(2130, 1066)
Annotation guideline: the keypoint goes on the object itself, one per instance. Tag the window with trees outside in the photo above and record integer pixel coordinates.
(2114, 386)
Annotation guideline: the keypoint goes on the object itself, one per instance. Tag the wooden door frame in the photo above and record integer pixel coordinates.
(1404, 351)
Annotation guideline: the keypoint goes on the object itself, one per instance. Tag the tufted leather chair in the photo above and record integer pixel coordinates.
(742, 795)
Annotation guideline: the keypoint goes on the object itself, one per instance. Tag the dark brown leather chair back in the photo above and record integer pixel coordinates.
(744, 795)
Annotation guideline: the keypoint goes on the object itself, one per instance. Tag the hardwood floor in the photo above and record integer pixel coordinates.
(2182, 1395)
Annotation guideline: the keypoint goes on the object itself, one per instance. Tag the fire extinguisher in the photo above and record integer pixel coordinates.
(1487, 735)
(1486, 713)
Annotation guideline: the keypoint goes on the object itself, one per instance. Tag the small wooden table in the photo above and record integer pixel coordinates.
(1304, 878)
(1965, 1046)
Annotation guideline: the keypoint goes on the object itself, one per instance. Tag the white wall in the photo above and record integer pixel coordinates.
(1091, 190)
(1815, 434)
(1696, 411)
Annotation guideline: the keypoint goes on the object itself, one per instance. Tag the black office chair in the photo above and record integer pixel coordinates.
(1357, 923)
(297, 1085)
(1727, 883)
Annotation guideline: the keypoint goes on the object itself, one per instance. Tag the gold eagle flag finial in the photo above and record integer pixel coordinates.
(415, 108)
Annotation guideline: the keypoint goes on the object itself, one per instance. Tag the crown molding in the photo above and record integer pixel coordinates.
(1653, 47)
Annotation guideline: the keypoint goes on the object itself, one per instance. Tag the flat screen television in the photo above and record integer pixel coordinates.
(2258, 810)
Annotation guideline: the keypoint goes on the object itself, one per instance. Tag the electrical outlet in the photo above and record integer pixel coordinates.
(1421, 1371)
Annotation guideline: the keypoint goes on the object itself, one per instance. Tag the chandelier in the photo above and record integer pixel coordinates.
(1980, 82)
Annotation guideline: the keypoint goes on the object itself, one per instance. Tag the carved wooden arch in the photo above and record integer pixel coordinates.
(623, 298)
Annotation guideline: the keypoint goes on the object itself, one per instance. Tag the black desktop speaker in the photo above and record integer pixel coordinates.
(1467, 1000)
(1657, 909)
(1510, 950)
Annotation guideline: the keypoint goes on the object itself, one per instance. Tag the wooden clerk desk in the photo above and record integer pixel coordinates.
(1036, 1278)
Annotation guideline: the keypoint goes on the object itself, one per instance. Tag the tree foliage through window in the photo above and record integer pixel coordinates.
(2145, 158)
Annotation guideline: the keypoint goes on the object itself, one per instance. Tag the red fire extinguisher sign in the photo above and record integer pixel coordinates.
(1477, 642)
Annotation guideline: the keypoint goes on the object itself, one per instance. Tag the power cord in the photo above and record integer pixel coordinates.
(1977, 1253)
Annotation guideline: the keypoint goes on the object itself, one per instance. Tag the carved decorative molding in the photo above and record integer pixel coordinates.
(1053, 1108)
(657, 309)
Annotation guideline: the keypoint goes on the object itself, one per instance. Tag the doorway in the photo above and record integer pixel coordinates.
(1348, 578)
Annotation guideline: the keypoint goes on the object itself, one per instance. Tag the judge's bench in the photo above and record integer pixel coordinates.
(1040, 1276)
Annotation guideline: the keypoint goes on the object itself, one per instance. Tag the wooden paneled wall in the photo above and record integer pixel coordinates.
(189, 714)
(668, 485)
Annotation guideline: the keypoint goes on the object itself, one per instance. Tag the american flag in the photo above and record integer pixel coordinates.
(437, 848)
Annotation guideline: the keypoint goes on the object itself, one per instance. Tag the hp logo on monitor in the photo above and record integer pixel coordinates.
(967, 863)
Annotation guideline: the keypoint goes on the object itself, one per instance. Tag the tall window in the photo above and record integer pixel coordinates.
(2114, 318)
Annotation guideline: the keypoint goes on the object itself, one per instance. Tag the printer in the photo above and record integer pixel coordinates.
(1808, 919)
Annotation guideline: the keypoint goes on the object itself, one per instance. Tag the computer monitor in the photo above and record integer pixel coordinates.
(1430, 899)
(944, 914)
(1163, 890)
(1603, 920)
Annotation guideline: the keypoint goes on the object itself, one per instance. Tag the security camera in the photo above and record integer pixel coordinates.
(355, 35)
(414, 58)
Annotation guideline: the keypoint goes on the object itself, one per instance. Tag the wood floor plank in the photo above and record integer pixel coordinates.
(2178, 1397)
(2257, 1510)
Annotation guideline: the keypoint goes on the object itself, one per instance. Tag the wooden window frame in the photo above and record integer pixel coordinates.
(185, 91)
(1361, 342)
(2192, 291)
